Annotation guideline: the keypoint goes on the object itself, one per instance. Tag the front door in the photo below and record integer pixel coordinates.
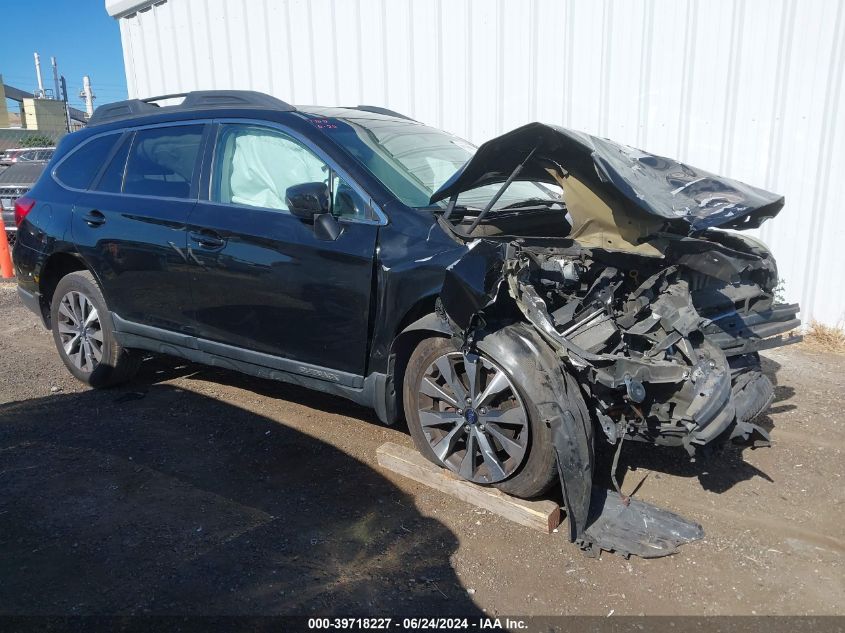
(265, 280)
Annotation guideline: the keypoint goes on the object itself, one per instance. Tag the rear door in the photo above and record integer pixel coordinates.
(265, 281)
(130, 226)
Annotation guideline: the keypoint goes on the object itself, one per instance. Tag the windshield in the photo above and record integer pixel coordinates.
(413, 161)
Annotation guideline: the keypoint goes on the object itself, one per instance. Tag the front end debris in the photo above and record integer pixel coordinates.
(665, 353)
(634, 527)
(656, 312)
(668, 355)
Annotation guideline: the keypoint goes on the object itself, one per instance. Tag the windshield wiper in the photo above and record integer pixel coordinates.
(533, 202)
(450, 209)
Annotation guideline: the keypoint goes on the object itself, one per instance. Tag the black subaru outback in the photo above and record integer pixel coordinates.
(515, 302)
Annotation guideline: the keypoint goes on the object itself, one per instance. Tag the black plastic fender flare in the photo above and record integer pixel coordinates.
(539, 371)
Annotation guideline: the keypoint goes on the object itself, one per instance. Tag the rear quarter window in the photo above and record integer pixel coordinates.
(112, 179)
(84, 163)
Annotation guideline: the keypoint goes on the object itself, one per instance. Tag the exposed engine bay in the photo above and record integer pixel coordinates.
(666, 349)
(658, 314)
(669, 353)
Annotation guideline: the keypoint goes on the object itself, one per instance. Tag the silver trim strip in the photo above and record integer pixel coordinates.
(236, 353)
(382, 217)
(121, 131)
(341, 220)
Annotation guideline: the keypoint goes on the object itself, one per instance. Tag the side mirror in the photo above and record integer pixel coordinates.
(307, 200)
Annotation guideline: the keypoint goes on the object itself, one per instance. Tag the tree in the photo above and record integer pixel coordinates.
(37, 140)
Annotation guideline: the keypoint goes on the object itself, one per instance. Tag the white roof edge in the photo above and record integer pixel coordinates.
(120, 8)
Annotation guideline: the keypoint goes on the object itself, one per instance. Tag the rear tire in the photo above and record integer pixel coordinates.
(535, 471)
(84, 336)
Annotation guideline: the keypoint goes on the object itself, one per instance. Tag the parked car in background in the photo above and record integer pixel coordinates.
(15, 181)
(8, 157)
(35, 155)
(515, 303)
(26, 154)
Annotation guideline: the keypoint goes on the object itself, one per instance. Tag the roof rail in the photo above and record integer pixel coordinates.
(384, 111)
(196, 100)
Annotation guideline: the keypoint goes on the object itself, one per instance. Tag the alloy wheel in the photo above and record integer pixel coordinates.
(473, 417)
(80, 331)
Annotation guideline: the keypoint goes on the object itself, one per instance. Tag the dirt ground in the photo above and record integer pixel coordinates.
(201, 491)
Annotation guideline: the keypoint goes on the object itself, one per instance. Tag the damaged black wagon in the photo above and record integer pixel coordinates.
(516, 303)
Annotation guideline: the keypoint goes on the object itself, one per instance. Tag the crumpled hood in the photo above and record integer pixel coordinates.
(652, 187)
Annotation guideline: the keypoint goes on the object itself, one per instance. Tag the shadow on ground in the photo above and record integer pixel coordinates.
(717, 472)
(157, 369)
(156, 500)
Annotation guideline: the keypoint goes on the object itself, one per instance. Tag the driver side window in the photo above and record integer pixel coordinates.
(255, 166)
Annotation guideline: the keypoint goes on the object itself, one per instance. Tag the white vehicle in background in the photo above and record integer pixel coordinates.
(26, 154)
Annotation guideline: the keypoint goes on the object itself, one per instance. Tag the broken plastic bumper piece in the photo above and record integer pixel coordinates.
(633, 527)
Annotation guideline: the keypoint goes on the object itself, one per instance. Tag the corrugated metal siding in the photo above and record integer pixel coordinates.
(748, 89)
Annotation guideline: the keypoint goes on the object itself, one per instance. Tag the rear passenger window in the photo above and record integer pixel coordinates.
(81, 165)
(112, 179)
(162, 161)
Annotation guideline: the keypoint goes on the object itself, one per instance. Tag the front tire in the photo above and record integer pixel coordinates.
(83, 333)
(468, 414)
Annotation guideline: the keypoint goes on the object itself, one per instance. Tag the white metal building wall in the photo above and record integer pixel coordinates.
(750, 89)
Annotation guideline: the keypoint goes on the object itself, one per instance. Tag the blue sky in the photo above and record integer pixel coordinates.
(79, 33)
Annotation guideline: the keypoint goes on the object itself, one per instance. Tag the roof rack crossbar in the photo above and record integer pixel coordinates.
(195, 100)
(384, 111)
(174, 95)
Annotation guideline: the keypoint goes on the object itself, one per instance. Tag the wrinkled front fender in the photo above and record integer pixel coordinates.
(539, 372)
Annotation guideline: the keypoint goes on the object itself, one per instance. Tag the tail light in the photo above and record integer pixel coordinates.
(22, 207)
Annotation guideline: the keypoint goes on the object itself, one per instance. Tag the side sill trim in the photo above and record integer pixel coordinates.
(178, 344)
(366, 396)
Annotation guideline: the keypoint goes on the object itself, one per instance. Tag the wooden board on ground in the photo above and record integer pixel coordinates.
(540, 515)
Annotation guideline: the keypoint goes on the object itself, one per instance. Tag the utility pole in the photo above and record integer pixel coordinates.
(67, 108)
(40, 94)
(88, 95)
(55, 79)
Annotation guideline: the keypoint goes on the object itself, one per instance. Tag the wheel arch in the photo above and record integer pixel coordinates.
(56, 266)
(418, 323)
(555, 392)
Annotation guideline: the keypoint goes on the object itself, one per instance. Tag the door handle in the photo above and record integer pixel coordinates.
(94, 218)
(207, 239)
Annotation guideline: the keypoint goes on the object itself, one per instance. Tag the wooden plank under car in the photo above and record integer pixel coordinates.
(540, 515)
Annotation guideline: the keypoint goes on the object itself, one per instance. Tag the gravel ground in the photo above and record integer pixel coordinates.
(200, 491)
